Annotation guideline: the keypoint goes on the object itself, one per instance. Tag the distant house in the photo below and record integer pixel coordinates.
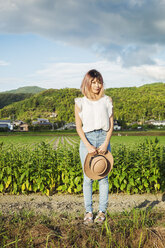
(6, 124)
(116, 126)
(17, 123)
(20, 125)
(24, 127)
(41, 121)
(3, 126)
(53, 114)
(156, 123)
(69, 126)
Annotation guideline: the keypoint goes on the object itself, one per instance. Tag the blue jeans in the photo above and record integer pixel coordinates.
(95, 138)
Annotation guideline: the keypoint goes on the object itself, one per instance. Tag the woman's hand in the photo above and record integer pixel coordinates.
(91, 149)
(103, 148)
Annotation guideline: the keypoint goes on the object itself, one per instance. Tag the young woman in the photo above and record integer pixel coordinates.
(94, 125)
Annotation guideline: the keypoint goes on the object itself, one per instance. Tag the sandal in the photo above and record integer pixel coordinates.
(100, 218)
(88, 219)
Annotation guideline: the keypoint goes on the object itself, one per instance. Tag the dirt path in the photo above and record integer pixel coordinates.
(68, 141)
(73, 141)
(55, 145)
(52, 140)
(75, 204)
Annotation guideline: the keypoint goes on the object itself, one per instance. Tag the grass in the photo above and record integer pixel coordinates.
(40, 133)
(25, 140)
(152, 132)
(129, 138)
(134, 140)
(137, 228)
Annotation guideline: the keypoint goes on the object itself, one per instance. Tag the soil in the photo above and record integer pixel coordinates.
(68, 203)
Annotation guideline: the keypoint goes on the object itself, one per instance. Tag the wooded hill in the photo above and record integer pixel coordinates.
(130, 104)
(25, 90)
(139, 103)
(9, 97)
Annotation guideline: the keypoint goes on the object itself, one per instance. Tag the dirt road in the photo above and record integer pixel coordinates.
(75, 203)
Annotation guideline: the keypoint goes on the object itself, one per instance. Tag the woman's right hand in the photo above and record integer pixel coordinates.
(91, 149)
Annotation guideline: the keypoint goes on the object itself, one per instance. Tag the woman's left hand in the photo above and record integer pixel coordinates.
(103, 148)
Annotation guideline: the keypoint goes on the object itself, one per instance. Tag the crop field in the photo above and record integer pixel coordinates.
(32, 141)
(49, 164)
(52, 164)
(70, 140)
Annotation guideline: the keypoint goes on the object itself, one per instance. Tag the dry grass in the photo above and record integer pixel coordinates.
(138, 228)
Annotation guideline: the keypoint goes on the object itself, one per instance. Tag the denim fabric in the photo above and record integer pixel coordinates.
(95, 138)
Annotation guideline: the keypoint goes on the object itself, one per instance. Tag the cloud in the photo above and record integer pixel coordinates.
(132, 31)
(55, 75)
(62, 75)
(4, 63)
(154, 73)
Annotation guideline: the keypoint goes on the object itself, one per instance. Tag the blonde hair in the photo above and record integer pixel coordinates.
(87, 81)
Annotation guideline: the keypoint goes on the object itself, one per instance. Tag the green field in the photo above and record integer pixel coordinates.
(56, 160)
(32, 141)
(137, 169)
(68, 139)
(134, 140)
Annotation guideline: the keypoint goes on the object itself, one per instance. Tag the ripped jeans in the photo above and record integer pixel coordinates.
(95, 138)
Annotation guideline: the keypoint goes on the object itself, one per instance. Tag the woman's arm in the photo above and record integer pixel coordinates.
(104, 146)
(80, 131)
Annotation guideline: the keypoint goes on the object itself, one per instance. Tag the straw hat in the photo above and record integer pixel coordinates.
(97, 166)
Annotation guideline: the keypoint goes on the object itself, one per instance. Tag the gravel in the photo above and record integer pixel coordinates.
(68, 203)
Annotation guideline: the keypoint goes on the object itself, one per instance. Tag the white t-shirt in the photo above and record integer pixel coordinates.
(94, 114)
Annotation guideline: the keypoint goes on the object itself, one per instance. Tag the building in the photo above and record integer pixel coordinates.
(158, 123)
(24, 127)
(6, 124)
(41, 121)
(69, 126)
(116, 126)
(53, 115)
(17, 123)
(3, 126)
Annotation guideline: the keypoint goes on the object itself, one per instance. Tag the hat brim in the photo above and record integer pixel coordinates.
(89, 173)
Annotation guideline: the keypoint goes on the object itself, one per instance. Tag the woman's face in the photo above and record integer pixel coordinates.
(96, 86)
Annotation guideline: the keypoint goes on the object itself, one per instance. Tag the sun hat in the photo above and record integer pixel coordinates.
(97, 166)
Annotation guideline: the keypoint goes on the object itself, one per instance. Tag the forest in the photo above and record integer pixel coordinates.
(130, 103)
(9, 98)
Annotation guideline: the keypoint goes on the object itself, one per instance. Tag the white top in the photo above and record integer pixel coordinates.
(94, 114)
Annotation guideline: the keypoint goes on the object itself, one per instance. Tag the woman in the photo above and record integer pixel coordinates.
(94, 125)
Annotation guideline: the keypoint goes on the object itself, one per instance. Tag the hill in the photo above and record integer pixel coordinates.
(25, 90)
(137, 103)
(9, 97)
(130, 104)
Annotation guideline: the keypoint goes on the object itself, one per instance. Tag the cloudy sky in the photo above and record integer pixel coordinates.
(53, 43)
